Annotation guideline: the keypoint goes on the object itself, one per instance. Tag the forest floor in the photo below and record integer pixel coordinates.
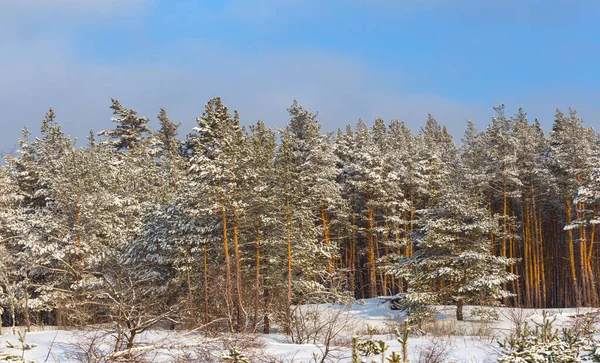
(321, 329)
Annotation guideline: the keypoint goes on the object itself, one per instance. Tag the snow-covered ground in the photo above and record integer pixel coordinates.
(469, 341)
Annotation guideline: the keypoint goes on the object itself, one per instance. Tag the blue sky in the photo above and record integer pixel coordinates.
(345, 59)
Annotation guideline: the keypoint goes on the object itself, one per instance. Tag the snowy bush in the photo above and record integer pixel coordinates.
(22, 346)
(371, 347)
(234, 355)
(485, 313)
(417, 308)
(544, 343)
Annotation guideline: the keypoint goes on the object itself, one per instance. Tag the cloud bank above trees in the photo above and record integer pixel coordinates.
(50, 58)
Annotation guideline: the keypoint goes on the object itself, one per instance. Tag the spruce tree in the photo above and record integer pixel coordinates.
(130, 130)
(454, 250)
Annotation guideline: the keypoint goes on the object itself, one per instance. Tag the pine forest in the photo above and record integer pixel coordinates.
(232, 227)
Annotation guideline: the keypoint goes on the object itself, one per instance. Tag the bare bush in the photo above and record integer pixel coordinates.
(370, 330)
(135, 299)
(318, 323)
(322, 325)
(484, 332)
(584, 324)
(517, 317)
(96, 346)
(87, 347)
(436, 350)
(211, 350)
(444, 328)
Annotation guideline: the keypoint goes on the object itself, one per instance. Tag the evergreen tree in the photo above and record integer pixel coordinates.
(500, 143)
(572, 147)
(131, 129)
(214, 173)
(454, 249)
(536, 181)
(263, 220)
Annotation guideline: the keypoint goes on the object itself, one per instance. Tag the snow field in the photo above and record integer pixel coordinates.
(468, 341)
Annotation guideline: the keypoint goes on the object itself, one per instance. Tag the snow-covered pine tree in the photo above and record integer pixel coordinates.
(172, 162)
(407, 152)
(347, 225)
(39, 227)
(437, 153)
(118, 182)
(318, 171)
(167, 134)
(173, 238)
(307, 174)
(393, 144)
(10, 209)
(366, 183)
(588, 201)
(500, 144)
(130, 130)
(454, 253)
(214, 172)
(473, 156)
(572, 147)
(536, 181)
(263, 220)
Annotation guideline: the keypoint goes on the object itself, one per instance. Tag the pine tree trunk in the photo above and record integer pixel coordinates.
(492, 241)
(533, 239)
(527, 258)
(325, 225)
(228, 297)
(505, 227)
(26, 312)
(206, 305)
(13, 318)
(516, 286)
(289, 262)
(240, 312)
(537, 225)
(352, 263)
(409, 246)
(189, 286)
(536, 263)
(266, 321)
(371, 256)
(586, 263)
(399, 281)
(595, 301)
(572, 252)
(378, 284)
(384, 277)
(459, 310)
(257, 276)
(582, 267)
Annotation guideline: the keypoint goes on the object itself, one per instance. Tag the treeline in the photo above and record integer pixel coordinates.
(231, 227)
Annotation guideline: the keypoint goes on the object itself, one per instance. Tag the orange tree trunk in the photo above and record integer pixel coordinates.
(571, 251)
(228, 297)
(289, 262)
(371, 256)
(241, 314)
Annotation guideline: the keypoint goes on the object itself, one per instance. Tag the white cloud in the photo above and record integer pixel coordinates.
(38, 71)
(260, 87)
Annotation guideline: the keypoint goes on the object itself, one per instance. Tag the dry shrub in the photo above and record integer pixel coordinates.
(444, 328)
(517, 317)
(436, 350)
